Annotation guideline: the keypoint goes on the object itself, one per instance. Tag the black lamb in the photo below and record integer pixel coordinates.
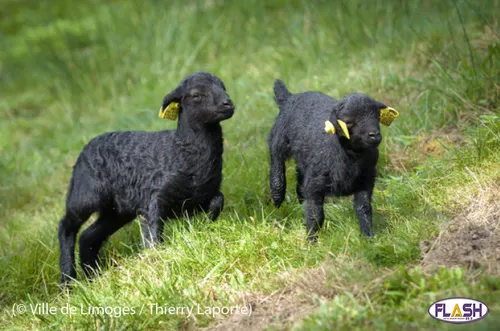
(338, 164)
(155, 175)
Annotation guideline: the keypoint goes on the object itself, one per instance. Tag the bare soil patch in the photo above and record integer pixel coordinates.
(281, 307)
(300, 295)
(472, 239)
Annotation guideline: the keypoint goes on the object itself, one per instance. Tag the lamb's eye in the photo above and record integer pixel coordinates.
(196, 96)
(349, 124)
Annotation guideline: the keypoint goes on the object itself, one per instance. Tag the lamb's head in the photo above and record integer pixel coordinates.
(357, 118)
(201, 96)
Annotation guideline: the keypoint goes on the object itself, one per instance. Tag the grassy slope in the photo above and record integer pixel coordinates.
(74, 71)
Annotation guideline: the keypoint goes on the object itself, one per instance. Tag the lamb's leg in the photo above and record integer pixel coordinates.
(315, 216)
(94, 236)
(300, 182)
(215, 206)
(152, 226)
(278, 151)
(68, 228)
(277, 180)
(363, 207)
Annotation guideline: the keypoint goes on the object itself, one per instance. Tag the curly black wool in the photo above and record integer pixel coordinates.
(326, 164)
(158, 175)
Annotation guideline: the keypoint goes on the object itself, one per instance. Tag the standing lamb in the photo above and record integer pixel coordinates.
(327, 163)
(157, 175)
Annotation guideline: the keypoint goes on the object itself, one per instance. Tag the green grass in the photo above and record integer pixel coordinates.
(72, 71)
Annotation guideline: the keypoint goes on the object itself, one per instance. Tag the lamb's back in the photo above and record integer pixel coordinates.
(126, 165)
(304, 118)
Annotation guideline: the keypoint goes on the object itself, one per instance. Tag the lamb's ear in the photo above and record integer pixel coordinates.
(343, 126)
(388, 115)
(330, 128)
(344, 129)
(170, 107)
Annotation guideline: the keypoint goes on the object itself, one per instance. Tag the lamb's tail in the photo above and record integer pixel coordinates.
(281, 93)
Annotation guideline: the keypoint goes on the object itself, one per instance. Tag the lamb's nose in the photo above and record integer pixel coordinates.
(375, 136)
(227, 103)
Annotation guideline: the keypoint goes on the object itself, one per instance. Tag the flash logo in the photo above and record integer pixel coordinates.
(464, 310)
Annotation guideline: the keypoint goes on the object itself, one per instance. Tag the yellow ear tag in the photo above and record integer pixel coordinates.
(388, 115)
(169, 113)
(343, 126)
(329, 128)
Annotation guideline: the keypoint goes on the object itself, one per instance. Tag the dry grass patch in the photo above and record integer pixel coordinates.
(437, 144)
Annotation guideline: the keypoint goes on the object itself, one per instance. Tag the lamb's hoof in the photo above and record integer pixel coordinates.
(368, 236)
(65, 283)
(277, 201)
(312, 239)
